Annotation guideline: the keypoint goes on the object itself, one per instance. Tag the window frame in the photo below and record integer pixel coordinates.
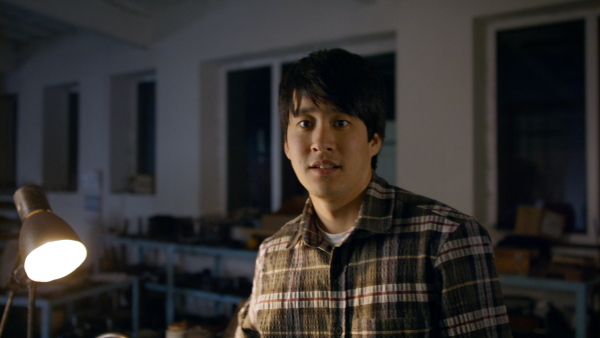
(592, 125)
(125, 175)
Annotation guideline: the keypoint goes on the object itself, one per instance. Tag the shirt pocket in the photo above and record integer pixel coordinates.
(391, 327)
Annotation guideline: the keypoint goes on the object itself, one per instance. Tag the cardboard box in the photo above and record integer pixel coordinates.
(513, 260)
(553, 225)
(534, 221)
(566, 272)
(275, 221)
(529, 221)
(143, 184)
(251, 237)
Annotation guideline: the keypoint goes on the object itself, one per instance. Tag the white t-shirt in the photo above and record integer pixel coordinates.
(335, 239)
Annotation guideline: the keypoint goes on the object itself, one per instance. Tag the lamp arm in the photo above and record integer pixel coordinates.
(31, 309)
(11, 294)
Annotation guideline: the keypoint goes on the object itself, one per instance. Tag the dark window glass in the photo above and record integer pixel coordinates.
(541, 121)
(60, 138)
(146, 128)
(249, 139)
(8, 141)
(73, 142)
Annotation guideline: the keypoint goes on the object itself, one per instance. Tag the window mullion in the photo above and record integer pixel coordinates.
(276, 141)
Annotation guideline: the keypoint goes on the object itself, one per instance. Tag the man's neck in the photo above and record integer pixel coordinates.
(335, 218)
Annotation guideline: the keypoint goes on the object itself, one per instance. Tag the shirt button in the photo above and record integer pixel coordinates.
(337, 331)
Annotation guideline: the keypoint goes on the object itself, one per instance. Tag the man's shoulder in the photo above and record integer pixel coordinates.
(423, 216)
(423, 205)
(284, 234)
(410, 204)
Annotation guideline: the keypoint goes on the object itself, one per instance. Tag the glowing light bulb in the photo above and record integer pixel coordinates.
(54, 260)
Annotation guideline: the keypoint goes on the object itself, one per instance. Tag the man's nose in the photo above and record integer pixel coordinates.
(323, 139)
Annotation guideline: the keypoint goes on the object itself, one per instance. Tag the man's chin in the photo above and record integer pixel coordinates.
(324, 191)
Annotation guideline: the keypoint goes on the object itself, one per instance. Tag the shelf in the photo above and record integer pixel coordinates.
(172, 248)
(47, 302)
(580, 289)
(183, 248)
(217, 297)
(194, 249)
(546, 283)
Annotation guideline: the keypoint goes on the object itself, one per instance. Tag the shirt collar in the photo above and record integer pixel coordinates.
(376, 211)
(375, 215)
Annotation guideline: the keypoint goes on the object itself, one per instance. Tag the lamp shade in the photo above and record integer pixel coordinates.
(49, 246)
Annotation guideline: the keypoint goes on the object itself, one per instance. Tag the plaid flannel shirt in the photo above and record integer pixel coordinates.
(413, 267)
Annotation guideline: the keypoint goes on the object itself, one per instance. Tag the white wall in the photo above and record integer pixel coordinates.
(435, 114)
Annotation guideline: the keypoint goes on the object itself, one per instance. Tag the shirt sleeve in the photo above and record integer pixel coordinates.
(471, 297)
(247, 321)
(245, 327)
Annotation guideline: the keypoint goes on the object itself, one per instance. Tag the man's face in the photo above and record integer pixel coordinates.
(330, 151)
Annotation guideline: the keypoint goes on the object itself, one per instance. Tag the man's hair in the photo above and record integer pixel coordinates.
(337, 77)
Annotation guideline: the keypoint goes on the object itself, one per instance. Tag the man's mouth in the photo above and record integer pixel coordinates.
(324, 164)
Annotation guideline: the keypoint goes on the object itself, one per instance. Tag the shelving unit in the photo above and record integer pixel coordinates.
(581, 291)
(171, 249)
(46, 303)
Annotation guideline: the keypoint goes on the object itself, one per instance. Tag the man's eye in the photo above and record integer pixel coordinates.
(304, 124)
(341, 123)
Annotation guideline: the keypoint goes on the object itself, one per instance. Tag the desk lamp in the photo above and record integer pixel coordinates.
(49, 247)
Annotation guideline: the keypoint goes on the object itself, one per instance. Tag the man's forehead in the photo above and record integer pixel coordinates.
(307, 105)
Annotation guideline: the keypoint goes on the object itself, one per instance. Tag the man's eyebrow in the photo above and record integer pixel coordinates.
(312, 109)
(305, 110)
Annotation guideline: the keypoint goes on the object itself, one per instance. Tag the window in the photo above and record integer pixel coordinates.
(543, 112)
(258, 177)
(132, 140)
(249, 139)
(61, 138)
(146, 110)
(8, 128)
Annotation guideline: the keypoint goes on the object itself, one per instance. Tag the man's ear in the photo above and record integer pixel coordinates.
(286, 149)
(375, 143)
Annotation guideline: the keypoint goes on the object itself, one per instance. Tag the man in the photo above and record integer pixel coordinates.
(364, 258)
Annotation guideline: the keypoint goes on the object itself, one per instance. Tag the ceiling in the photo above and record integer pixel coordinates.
(139, 22)
(21, 25)
(26, 24)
